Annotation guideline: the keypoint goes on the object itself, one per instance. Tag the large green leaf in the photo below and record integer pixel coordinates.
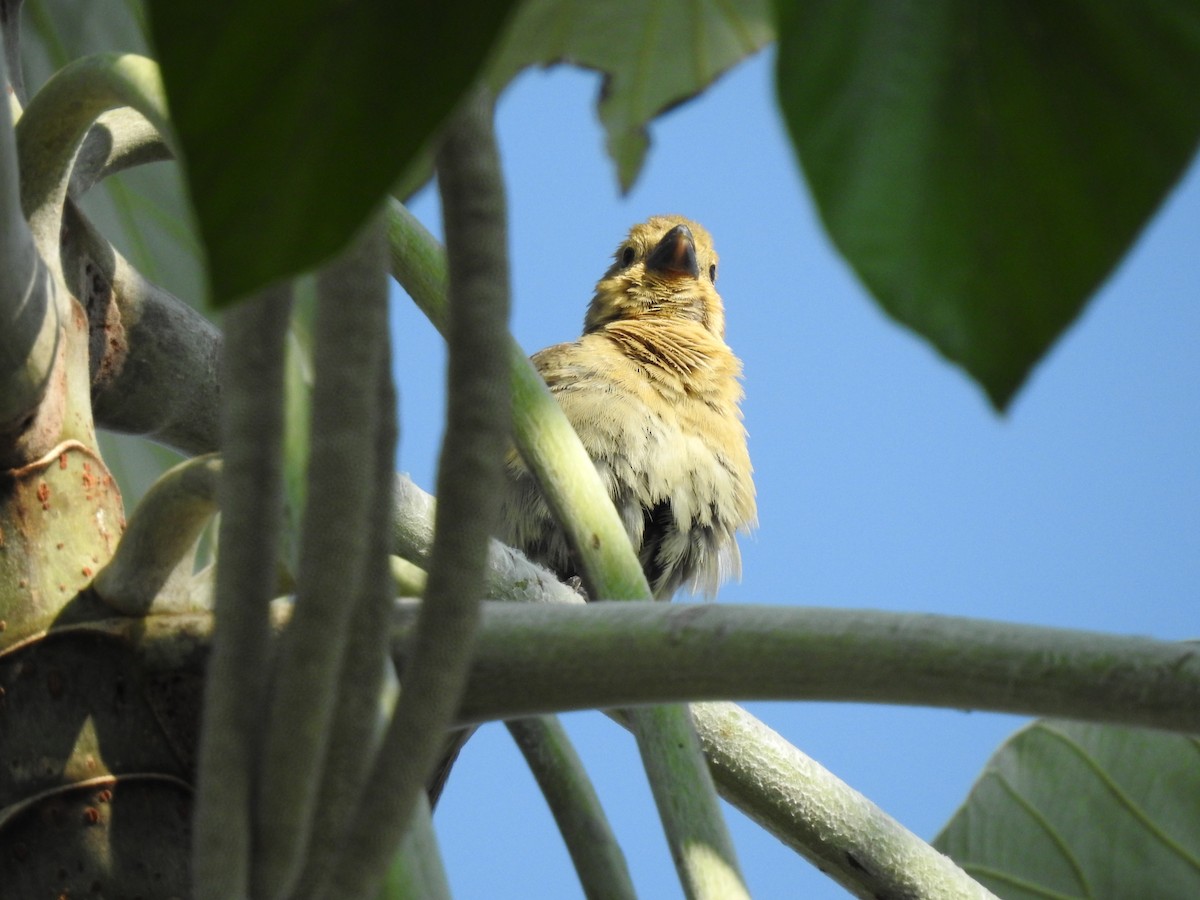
(294, 119)
(1067, 810)
(653, 55)
(984, 166)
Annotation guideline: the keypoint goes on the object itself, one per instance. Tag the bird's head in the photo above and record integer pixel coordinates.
(666, 268)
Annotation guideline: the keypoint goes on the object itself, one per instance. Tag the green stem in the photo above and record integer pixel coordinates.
(470, 476)
(357, 719)
(251, 495)
(543, 435)
(699, 842)
(564, 783)
(155, 555)
(58, 117)
(29, 319)
(417, 873)
(535, 658)
(350, 332)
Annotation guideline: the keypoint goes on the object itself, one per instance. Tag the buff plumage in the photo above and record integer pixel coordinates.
(653, 392)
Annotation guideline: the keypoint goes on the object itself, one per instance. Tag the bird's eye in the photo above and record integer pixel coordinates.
(712, 274)
(627, 256)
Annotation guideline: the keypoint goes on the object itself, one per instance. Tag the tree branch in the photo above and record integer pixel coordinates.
(532, 659)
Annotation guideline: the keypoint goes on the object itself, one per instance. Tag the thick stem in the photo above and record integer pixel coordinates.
(251, 495)
(356, 728)
(469, 481)
(29, 316)
(154, 358)
(535, 658)
(350, 331)
(832, 825)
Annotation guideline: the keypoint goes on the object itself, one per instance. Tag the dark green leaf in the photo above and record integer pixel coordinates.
(984, 166)
(294, 119)
(1066, 809)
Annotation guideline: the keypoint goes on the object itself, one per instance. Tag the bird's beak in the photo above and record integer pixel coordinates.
(675, 254)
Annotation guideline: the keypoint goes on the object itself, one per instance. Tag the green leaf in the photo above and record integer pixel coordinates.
(1066, 809)
(653, 55)
(985, 166)
(295, 119)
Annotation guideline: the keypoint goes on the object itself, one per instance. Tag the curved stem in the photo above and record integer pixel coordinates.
(155, 359)
(542, 432)
(119, 140)
(29, 320)
(158, 542)
(564, 783)
(470, 474)
(832, 825)
(58, 117)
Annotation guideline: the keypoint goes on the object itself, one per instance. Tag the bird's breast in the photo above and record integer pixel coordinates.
(668, 442)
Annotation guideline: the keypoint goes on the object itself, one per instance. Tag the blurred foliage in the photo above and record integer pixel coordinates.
(292, 141)
(984, 167)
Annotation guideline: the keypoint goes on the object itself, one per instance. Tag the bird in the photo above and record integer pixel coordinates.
(654, 394)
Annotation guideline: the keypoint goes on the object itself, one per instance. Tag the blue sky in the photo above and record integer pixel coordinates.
(884, 479)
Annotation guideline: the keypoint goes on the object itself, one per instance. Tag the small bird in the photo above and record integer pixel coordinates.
(652, 390)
